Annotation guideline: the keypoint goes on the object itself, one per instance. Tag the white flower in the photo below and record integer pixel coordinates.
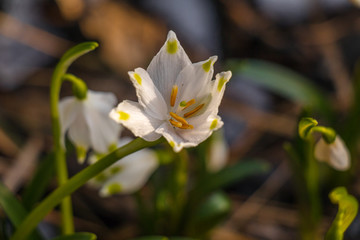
(87, 122)
(218, 152)
(127, 175)
(176, 98)
(335, 154)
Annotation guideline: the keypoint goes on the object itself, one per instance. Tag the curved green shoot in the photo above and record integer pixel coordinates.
(348, 208)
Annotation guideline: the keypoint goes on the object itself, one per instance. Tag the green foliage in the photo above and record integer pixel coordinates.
(225, 177)
(348, 208)
(37, 186)
(14, 209)
(210, 213)
(284, 82)
(31, 220)
(201, 198)
(77, 236)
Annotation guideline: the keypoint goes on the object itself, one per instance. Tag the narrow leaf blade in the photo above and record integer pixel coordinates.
(36, 188)
(283, 82)
(225, 177)
(14, 209)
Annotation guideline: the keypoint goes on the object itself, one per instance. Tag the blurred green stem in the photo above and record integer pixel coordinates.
(59, 152)
(79, 87)
(311, 175)
(180, 180)
(31, 221)
(306, 178)
(67, 222)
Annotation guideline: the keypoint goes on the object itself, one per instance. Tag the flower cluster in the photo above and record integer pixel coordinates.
(177, 99)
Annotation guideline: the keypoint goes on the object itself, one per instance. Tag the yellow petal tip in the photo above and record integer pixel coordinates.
(123, 115)
(221, 83)
(171, 46)
(137, 78)
(113, 188)
(213, 124)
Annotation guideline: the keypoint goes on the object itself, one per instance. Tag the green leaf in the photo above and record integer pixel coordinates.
(210, 213)
(225, 177)
(284, 82)
(14, 209)
(77, 236)
(36, 188)
(348, 208)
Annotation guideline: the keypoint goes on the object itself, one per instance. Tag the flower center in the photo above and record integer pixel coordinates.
(178, 121)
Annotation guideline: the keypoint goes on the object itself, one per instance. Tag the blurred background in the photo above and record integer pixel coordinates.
(318, 39)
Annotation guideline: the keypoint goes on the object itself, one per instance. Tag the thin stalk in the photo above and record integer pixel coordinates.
(59, 152)
(67, 222)
(312, 187)
(180, 179)
(79, 87)
(31, 221)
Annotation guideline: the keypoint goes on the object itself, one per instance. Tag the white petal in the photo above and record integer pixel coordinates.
(133, 117)
(217, 92)
(148, 95)
(136, 168)
(68, 110)
(335, 154)
(79, 132)
(167, 64)
(194, 80)
(173, 138)
(203, 128)
(102, 101)
(104, 131)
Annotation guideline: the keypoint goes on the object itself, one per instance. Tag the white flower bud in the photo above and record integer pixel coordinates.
(335, 154)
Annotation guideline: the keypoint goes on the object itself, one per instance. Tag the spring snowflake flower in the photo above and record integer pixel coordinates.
(176, 98)
(128, 175)
(87, 122)
(335, 154)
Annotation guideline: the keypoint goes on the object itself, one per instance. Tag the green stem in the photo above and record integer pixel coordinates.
(312, 184)
(61, 168)
(31, 221)
(67, 222)
(180, 179)
(79, 87)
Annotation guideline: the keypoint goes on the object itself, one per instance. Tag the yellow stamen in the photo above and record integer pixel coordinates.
(175, 123)
(173, 95)
(187, 126)
(178, 118)
(192, 112)
(189, 103)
